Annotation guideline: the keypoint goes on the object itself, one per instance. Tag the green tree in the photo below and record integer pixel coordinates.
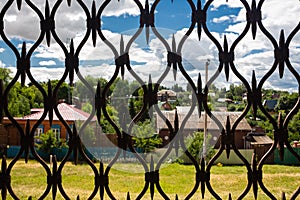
(87, 134)
(294, 127)
(269, 93)
(127, 99)
(82, 91)
(38, 101)
(48, 142)
(177, 88)
(229, 95)
(145, 137)
(213, 88)
(138, 104)
(20, 100)
(5, 76)
(286, 102)
(87, 107)
(231, 107)
(194, 144)
(184, 98)
(64, 92)
(85, 98)
(120, 99)
(104, 123)
(222, 93)
(239, 91)
(132, 109)
(134, 87)
(231, 88)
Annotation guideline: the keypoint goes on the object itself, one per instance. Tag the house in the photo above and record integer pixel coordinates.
(194, 123)
(270, 104)
(9, 133)
(261, 143)
(166, 95)
(224, 100)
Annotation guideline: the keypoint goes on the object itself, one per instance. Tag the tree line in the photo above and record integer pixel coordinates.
(283, 103)
(125, 100)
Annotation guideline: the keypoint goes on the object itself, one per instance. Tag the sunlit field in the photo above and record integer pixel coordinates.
(30, 180)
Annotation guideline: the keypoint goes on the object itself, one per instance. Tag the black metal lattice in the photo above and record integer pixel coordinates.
(94, 32)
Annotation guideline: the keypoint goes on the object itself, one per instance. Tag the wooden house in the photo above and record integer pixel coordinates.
(9, 133)
(196, 123)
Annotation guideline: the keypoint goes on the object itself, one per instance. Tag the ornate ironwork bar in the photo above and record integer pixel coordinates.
(175, 61)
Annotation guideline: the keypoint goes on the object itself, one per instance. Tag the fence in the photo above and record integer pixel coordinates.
(123, 66)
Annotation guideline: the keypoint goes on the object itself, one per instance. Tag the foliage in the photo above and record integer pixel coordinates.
(183, 98)
(237, 91)
(48, 142)
(64, 92)
(104, 123)
(21, 99)
(85, 98)
(145, 137)
(237, 107)
(294, 127)
(229, 95)
(286, 102)
(5, 76)
(87, 107)
(127, 99)
(130, 100)
(88, 134)
(119, 100)
(177, 88)
(194, 144)
(231, 107)
(240, 107)
(84, 94)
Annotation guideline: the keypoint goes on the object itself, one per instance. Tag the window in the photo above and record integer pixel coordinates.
(56, 131)
(38, 132)
(67, 133)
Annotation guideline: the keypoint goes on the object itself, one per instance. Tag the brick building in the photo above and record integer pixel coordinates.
(9, 134)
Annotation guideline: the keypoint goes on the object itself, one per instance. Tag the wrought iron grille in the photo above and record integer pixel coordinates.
(147, 23)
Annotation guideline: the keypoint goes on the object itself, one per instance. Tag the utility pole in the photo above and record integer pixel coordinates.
(204, 153)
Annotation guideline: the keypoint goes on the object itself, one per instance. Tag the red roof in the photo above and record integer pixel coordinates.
(68, 112)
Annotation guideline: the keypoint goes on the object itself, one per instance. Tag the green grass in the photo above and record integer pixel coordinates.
(30, 180)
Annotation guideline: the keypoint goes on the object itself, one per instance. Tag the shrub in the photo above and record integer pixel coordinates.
(145, 137)
(48, 142)
(194, 144)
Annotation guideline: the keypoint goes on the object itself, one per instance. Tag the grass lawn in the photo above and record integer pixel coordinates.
(30, 180)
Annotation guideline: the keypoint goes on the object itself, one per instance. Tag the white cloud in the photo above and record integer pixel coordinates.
(223, 19)
(2, 65)
(10, 18)
(42, 74)
(275, 15)
(70, 23)
(118, 8)
(54, 51)
(2, 50)
(231, 4)
(104, 71)
(263, 59)
(47, 63)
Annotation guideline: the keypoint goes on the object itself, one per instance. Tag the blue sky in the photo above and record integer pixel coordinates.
(170, 18)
